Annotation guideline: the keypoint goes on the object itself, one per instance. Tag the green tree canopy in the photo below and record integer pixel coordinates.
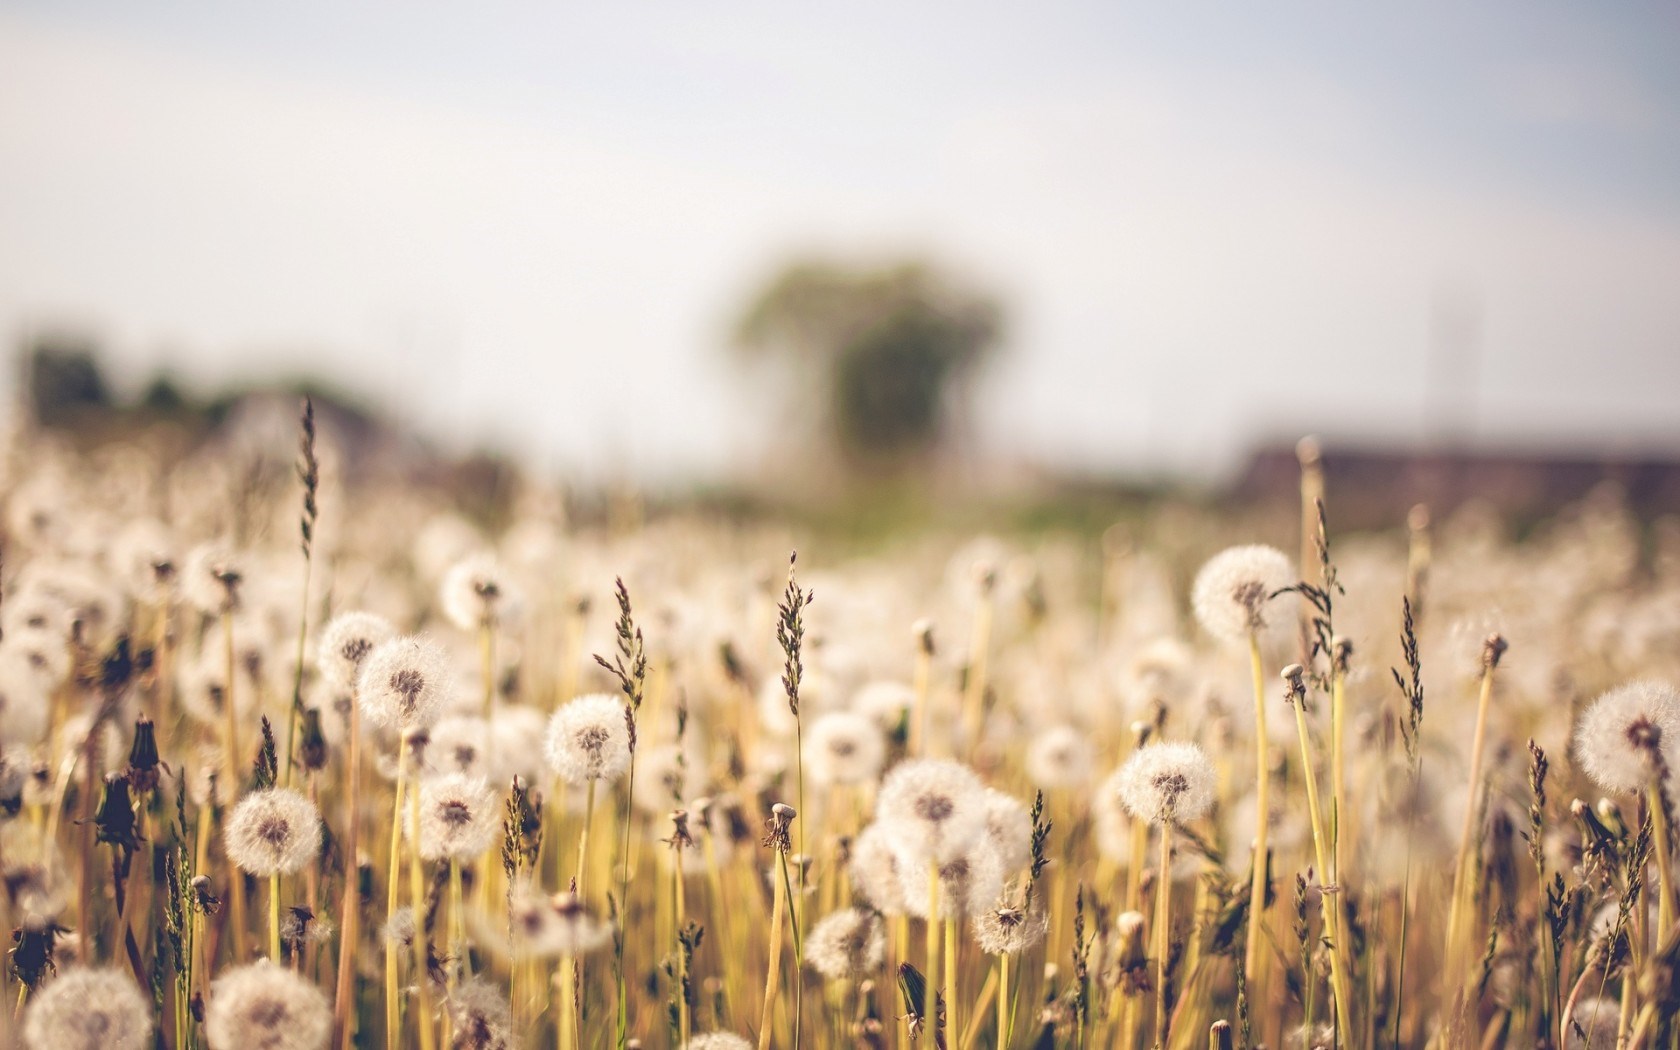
(883, 354)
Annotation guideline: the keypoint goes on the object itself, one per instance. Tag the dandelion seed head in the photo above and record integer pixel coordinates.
(1009, 829)
(403, 683)
(273, 831)
(1167, 783)
(1618, 731)
(589, 740)
(517, 735)
(1060, 757)
(212, 578)
(459, 817)
(843, 747)
(850, 942)
(874, 870)
(482, 1017)
(264, 1006)
(1233, 589)
(967, 884)
(89, 1009)
(25, 706)
(1598, 1018)
(886, 703)
(476, 592)
(935, 808)
(1004, 930)
(718, 1041)
(345, 642)
(399, 928)
(458, 744)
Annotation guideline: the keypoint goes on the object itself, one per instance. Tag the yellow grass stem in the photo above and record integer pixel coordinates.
(1458, 921)
(1327, 890)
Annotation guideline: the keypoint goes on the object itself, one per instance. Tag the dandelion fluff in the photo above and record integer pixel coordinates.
(588, 740)
(476, 593)
(1606, 739)
(25, 708)
(87, 1009)
(458, 744)
(1002, 930)
(718, 1041)
(273, 831)
(1060, 757)
(403, 683)
(211, 578)
(459, 817)
(1167, 783)
(846, 943)
(842, 747)
(481, 1015)
(346, 641)
(1009, 829)
(266, 1007)
(935, 808)
(967, 884)
(1234, 587)
(874, 870)
(516, 744)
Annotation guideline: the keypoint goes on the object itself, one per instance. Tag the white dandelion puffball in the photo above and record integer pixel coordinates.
(263, 1006)
(476, 593)
(1233, 589)
(458, 744)
(403, 683)
(888, 703)
(588, 739)
(718, 1041)
(1167, 783)
(346, 641)
(273, 831)
(25, 706)
(967, 884)
(1004, 930)
(848, 943)
(842, 747)
(211, 578)
(1009, 828)
(482, 1017)
(933, 808)
(1608, 737)
(86, 1009)
(460, 817)
(874, 870)
(546, 927)
(1060, 757)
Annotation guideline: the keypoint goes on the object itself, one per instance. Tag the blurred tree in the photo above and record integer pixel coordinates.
(881, 358)
(63, 380)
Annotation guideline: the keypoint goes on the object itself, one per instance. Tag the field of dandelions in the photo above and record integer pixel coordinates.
(294, 763)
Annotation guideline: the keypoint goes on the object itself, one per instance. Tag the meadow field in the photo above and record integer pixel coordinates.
(289, 760)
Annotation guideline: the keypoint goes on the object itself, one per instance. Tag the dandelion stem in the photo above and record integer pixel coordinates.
(583, 836)
(274, 919)
(393, 879)
(1163, 912)
(1262, 817)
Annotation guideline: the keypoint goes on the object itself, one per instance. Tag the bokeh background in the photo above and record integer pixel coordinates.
(812, 249)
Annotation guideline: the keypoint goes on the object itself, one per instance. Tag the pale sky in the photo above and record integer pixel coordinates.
(532, 222)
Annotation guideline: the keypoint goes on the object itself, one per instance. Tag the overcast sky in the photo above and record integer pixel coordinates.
(532, 222)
